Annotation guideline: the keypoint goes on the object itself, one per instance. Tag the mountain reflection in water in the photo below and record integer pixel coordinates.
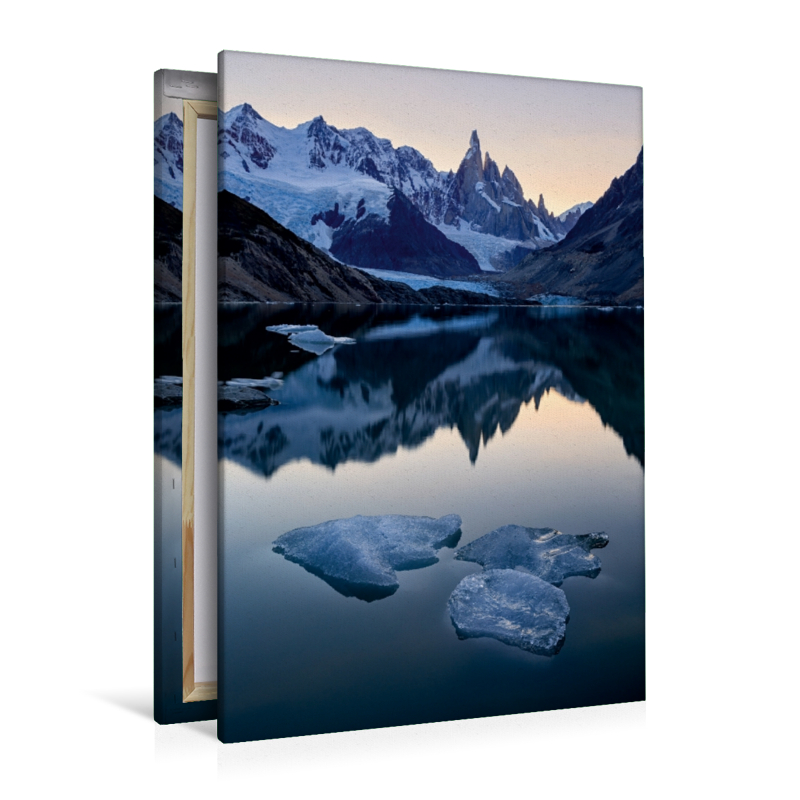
(412, 371)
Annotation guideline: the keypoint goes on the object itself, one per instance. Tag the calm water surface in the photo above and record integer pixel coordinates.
(511, 415)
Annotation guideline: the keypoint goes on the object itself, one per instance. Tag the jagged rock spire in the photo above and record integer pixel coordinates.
(491, 172)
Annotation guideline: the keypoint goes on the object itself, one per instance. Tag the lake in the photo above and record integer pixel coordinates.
(530, 416)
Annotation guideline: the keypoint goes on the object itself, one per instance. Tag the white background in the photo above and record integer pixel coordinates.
(720, 97)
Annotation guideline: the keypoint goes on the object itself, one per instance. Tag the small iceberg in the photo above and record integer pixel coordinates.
(359, 556)
(513, 607)
(544, 552)
(310, 338)
(272, 382)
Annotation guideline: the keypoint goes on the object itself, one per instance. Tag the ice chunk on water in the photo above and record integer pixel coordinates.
(358, 556)
(257, 383)
(317, 342)
(310, 338)
(544, 552)
(287, 330)
(513, 607)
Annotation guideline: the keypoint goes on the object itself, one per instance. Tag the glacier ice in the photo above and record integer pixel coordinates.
(310, 338)
(513, 607)
(416, 281)
(544, 552)
(359, 556)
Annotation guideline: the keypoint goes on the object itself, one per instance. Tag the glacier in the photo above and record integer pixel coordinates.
(360, 556)
(427, 281)
(486, 246)
(300, 175)
(546, 553)
(513, 607)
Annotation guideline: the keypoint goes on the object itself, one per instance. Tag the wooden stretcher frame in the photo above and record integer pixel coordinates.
(193, 110)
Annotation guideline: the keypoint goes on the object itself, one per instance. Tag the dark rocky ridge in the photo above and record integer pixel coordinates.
(407, 242)
(168, 252)
(602, 258)
(261, 261)
(571, 219)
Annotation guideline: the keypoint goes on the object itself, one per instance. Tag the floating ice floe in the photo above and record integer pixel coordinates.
(513, 607)
(359, 556)
(273, 382)
(310, 338)
(288, 330)
(544, 552)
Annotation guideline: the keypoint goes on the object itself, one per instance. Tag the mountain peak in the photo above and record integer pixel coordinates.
(317, 126)
(169, 122)
(246, 110)
(473, 155)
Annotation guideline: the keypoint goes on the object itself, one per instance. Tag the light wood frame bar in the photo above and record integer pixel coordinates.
(192, 111)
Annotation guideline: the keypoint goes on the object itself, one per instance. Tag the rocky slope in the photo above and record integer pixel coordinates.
(602, 258)
(260, 260)
(168, 227)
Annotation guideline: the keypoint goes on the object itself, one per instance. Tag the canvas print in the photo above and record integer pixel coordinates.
(168, 398)
(431, 395)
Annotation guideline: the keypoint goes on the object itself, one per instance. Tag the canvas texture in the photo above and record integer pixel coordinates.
(431, 395)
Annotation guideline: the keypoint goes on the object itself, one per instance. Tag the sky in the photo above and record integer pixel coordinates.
(564, 139)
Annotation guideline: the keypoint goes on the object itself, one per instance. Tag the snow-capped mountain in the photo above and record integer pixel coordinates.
(315, 178)
(168, 145)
